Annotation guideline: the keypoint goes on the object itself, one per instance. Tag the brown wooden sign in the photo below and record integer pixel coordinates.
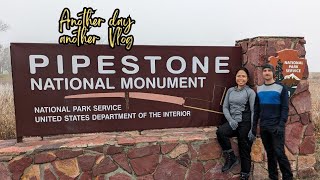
(61, 89)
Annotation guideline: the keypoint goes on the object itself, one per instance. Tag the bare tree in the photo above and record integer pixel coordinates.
(3, 26)
(5, 65)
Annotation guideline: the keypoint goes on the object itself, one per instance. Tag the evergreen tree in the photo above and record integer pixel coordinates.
(279, 70)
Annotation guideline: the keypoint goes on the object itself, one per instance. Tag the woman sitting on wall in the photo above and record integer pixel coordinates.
(238, 108)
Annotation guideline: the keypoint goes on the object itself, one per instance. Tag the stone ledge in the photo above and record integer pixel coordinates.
(269, 37)
(174, 135)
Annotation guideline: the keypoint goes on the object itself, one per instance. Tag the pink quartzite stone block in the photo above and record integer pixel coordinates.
(302, 41)
(86, 162)
(32, 172)
(4, 172)
(272, 51)
(253, 75)
(66, 154)
(309, 130)
(180, 149)
(257, 42)
(48, 174)
(146, 177)
(257, 150)
(209, 165)
(18, 165)
(301, 50)
(217, 166)
(306, 161)
(44, 157)
(293, 137)
(308, 145)
(209, 151)
(67, 168)
(306, 72)
(100, 177)
(149, 139)
(307, 173)
(104, 166)
(302, 86)
(305, 118)
(5, 158)
(235, 177)
(126, 140)
(122, 161)
(255, 55)
(196, 171)
(236, 169)
(184, 160)
(243, 45)
(16, 150)
(295, 118)
(302, 103)
(85, 176)
(97, 149)
(145, 165)
(259, 172)
(168, 169)
(166, 148)
(143, 151)
(216, 173)
(111, 150)
(120, 176)
(193, 152)
(292, 111)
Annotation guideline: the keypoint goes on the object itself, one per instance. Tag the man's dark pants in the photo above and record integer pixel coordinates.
(274, 144)
(225, 132)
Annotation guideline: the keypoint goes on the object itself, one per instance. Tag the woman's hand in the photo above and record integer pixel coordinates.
(233, 124)
(251, 136)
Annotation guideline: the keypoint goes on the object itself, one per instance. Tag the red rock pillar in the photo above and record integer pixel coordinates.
(287, 55)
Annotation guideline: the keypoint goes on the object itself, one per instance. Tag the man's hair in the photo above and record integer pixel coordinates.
(270, 66)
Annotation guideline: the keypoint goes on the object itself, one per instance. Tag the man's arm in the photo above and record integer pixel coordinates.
(284, 99)
(256, 115)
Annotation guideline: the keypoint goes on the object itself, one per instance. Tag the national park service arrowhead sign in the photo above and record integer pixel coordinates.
(289, 68)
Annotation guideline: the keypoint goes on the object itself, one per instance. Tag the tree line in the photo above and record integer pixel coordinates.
(5, 63)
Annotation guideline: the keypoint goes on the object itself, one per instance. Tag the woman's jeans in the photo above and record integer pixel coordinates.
(225, 132)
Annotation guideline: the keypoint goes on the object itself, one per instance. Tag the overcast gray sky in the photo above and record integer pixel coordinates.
(174, 22)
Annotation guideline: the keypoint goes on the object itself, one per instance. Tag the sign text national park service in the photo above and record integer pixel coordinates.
(61, 89)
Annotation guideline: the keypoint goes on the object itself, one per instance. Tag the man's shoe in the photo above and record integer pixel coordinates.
(230, 161)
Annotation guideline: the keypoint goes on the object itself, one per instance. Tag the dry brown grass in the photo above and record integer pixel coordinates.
(7, 117)
(314, 87)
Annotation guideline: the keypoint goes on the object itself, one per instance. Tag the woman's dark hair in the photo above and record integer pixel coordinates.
(245, 70)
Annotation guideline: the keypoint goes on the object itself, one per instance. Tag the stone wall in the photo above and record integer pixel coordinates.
(186, 153)
(299, 137)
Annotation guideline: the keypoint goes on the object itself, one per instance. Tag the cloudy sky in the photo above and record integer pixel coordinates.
(174, 22)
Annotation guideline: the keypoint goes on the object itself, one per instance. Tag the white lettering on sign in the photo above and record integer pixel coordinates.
(220, 64)
(129, 64)
(34, 65)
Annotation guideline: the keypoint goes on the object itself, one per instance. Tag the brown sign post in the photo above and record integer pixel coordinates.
(63, 89)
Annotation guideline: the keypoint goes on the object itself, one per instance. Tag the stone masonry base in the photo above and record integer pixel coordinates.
(186, 153)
